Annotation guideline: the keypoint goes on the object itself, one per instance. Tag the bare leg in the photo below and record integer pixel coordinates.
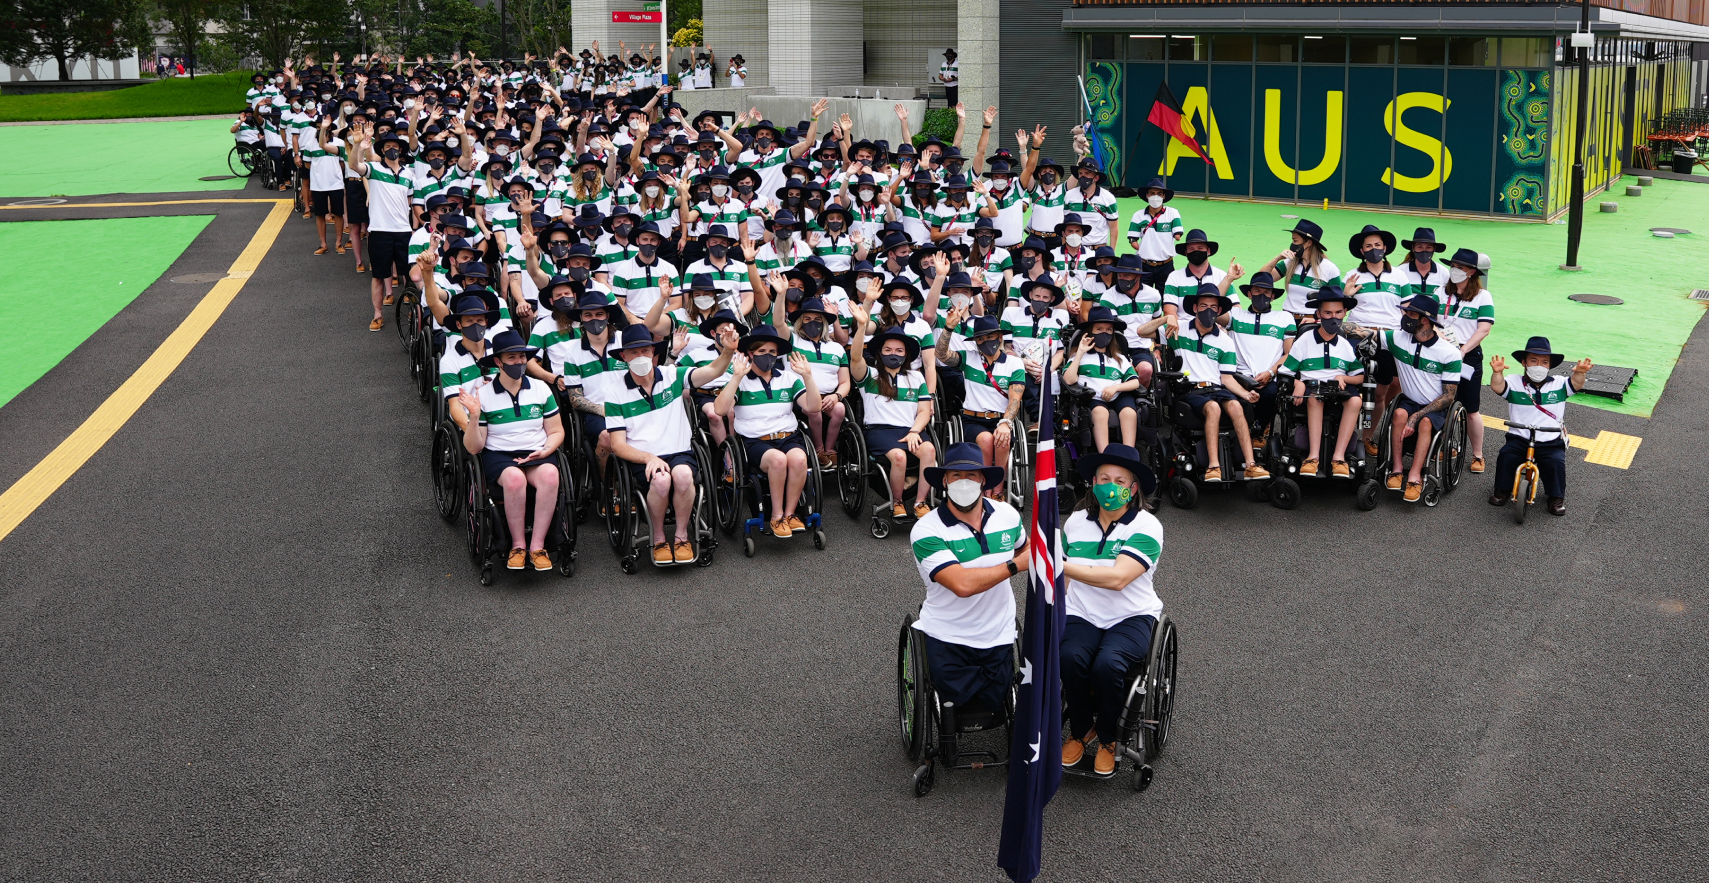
(833, 425)
(1420, 450)
(1313, 427)
(515, 486)
(776, 467)
(320, 230)
(377, 290)
(544, 478)
(1397, 438)
(658, 497)
(1349, 423)
(898, 473)
(928, 457)
(1213, 417)
(797, 481)
(1100, 427)
(682, 501)
(816, 428)
(1129, 419)
(1475, 434)
(1242, 430)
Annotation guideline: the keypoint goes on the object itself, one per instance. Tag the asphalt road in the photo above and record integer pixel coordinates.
(240, 645)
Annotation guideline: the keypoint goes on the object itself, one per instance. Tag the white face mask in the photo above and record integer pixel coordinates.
(1456, 275)
(999, 184)
(502, 150)
(641, 365)
(720, 190)
(1072, 240)
(863, 283)
(1154, 201)
(451, 141)
(652, 193)
(409, 103)
(1537, 373)
(900, 307)
(965, 492)
(959, 301)
(704, 301)
(866, 195)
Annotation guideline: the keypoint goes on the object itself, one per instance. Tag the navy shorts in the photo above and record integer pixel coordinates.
(756, 448)
(592, 425)
(355, 201)
(326, 202)
(975, 679)
(1198, 398)
(702, 399)
(494, 463)
(1470, 390)
(972, 427)
(1121, 401)
(881, 440)
(1436, 418)
(638, 471)
(388, 251)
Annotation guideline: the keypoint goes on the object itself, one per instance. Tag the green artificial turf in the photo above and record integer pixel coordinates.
(83, 295)
(173, 97)
(1621, 257)
(97, 158)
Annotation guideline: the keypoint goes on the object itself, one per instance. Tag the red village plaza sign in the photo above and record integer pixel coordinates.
(637, 17)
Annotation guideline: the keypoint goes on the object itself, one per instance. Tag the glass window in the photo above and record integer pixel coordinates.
(1102, 47)
(1282, 49)
(1231, 47)
(1324, 50)
(1422, 50)
(1471, 52)
(1372, 50)
(1184, 48)
(1145, 47)
(1525, 52)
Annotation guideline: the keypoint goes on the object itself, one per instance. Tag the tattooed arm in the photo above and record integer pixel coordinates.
(580, 402)
(1440, 402)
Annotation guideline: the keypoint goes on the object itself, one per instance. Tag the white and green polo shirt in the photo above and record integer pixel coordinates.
(827, 358)
(1380, 296)
(1098, 370)
(940, 539)
(1137, 310)
(1313, 358)
(1259, 338)
(1097, 211)
(767, 407)
(916, 219)
(1422, 368)
(987, 386)
(516, 422)
(655, 421)
(1011, 214)
(1032, 334)
(1205, 358)
(1305, 283)
(638, 283)
(1138, 535)
(598, 374)
(388, 198)
(732, 279)
(573, 201)
(1462, 317)
(1182, 284)
(428, 184)
(1156, 235)
(794, 251)
(1430, 282)
(945, 215)
(326, 169)
(1539, 406)
(1048, 207)
(770, 167)
(836, 251)
(730, 212)
(995, 265)
(459, 369)
(554, 339)
(899, 412)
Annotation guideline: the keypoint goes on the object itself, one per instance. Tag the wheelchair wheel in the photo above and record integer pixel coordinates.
(479, 522)
(564, 516)
(1258, 491)
(447, 467)
(1455, 444)
(1020, 471)
(404, 313)
(241, 161)
(1366, 497)
(911, 693)
(614, 499)
(1183, 493)
(851, 469)
(425, 373)
(1160, 698)
(1284, 493)
(729, 497)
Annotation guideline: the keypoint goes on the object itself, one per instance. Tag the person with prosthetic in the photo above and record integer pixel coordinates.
(515, 435)
(650, 430)
(967, 550)
(761, 403)
(1112, 545)
(898, 407)
(995, 381)
(1324, 354)
(1100, 364)
(1208, 362)
(1535, 398)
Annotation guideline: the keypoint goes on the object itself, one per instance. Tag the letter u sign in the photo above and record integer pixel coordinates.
(1331, 140)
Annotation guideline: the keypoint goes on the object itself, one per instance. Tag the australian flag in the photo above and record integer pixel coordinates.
(1035, 766)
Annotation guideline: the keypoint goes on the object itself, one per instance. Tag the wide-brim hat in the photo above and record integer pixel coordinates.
(876, 345)
(836, 208)
(710, 324)
(1259, 280)
(765, 334)
(964, 457)
(623, 211)
(1467, 258)
(1101, 314)
(1057, 295)
(1157, 184)
(470, 270)
(506, 341)
(901, 284)
(917, 258)
(1117, 454)
(1208, 289)
(638, 335)
(809, 285)
(1194, 237)
(1071, 218)
(1331, 291)
(465, 304)
(1090, 165)
(783, 218)
(1422, 236)
(1128, 265)
(1539, 346)
(776, 133)
(1423, 304)
(584, 250)
(1309, 230)
(703, 115)
(815, 305)
(1371, 230)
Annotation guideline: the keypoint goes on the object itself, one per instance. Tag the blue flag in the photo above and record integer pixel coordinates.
(1035, 757)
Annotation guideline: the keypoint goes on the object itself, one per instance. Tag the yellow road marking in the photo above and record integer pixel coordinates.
(1607, 449)
(130, 204)
(62, 462)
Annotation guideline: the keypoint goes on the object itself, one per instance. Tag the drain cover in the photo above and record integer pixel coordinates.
(1677, 231)
(1700, 294)
(217, 178)
(198, 278)
(1595, 299)
(1610, 381)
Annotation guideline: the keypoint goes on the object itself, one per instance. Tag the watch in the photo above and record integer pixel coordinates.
(1012, 568)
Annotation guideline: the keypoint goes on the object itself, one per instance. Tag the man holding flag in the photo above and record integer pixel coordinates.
(1035, 761)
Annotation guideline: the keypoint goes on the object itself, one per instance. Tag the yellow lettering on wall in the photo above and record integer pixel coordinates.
(1273, 136)
(1442, 161)
(1198, 103)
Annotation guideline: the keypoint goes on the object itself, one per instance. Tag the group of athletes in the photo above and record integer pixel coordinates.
(592, 248)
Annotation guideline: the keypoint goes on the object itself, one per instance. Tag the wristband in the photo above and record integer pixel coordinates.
(1012, 568)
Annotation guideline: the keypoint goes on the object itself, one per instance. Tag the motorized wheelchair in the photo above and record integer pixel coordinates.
(859, 470)
(1074, 435)
(747, 503)
(489, 533)
(932, 730)
(627, 520)
(1444, 459)
(1143, 729)
(1289, 444)
(1183, 476)
(947, 424)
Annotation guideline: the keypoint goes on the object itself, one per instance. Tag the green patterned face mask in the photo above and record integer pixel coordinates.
(1112, 496)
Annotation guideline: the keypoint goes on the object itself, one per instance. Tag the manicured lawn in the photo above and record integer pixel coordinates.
(215, 93)
(95, 158)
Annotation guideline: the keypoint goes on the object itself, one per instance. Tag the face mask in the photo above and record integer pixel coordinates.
(744, 188)
(764, 362)
(590, 175)
(866, 195)
(1086, 183)
(1261, 303)
(928, 272)
(436, 164)
(1111, 496)
(474, 332)
(1423, 257)
(1330, 327)
(1154, 201)
(720, 190)
(622, 230)
(863, 283)
(953, 168)
(815, 203)
(984, 242)
(391, 153)
(989, 348)
(1048, 179)
(514, 372)
(965, 492)
(1198, 258)
(1373, 255)
(641, 366)
(1072, 240)
(812, 329)
(792, 200)
(793, 295)
(652, 193)
(647, 250)
(1040, 307)
(704, 302)
(558, 249)
(1536, 373)
(900, 307)
(892, 361)
(717, 252)
(1025, 262)
(1127, 284)
(833, 226)
(1456, 275)
(762, 143)
(1410, 324)
(999, 184)
(921, 193)
(706, 156)
(580, 274)
(326, 96)
(595, 326)
(959, 301)
(1206, 317)
(1101, 339)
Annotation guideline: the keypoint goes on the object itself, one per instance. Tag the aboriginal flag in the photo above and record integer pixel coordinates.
(1035, 755)
(1166, 115)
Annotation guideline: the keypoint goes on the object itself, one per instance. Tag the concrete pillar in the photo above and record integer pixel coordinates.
(590, 20)
(977, 35)
(815, 45)
(739, 27)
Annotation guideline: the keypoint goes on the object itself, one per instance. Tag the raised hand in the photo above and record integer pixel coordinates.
(1038, 136)
(820, 106)
(846, 122)
(739, 363)
(1497, 365)
(1580, 368)
(990, 114)
(901, 113)
(960, 110)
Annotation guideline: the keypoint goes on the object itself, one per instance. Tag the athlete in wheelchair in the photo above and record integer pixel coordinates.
(1332, 391)
(767, 449)
(1206, 396)
(1428, 368)
(993, 382)
(1118, 649)
(892, 428)
(956, 662)
(460, 367)
(516, 440)
(658, 468)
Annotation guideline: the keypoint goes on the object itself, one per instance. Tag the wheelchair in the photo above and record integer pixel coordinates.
(1143, 729)
(449, 462)
(584, 464)
(751, 493)
(1444, 459)
(1074, 416)
(858, 470)
(1289, 444)
(931, 730)
(947, 424)
(489, 534)
(627, 520)
(1187, 458)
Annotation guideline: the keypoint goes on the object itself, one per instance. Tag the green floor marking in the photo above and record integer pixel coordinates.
(98, 158)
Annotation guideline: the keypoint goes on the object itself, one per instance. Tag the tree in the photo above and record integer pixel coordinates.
(187, 18)
(541, 25)
(66, 30)
(679, 14)
(441, 27)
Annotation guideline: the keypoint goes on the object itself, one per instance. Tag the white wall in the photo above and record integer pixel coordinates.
(81, 69)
